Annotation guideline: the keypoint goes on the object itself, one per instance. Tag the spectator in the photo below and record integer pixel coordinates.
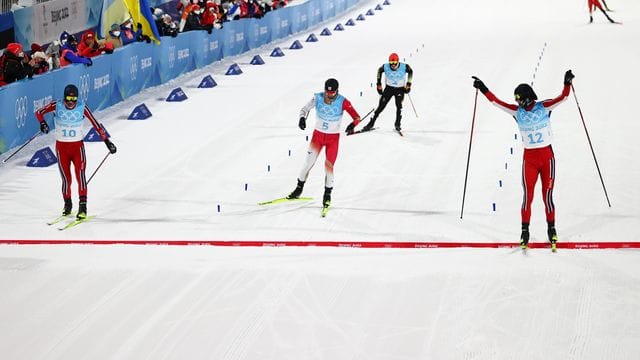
(70, 54)
(277, 4)
(209, 17)
(186, 9)
(254, 9)
(194, 21)
(113, 36)
(12, 65)
(168, 27)
(234, 10)
(39, 63)
(53, 54)
(128, 35)
(92, 47)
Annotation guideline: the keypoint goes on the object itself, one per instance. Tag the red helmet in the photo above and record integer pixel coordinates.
(394, 57)
(15, 49)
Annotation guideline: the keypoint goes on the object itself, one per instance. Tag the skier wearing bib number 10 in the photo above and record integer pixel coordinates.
(533, 120)
(68, 122)
(329, 106)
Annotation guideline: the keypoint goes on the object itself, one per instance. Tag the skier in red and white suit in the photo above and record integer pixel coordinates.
(329, 109)
(533, 120)
(593, 4)
(69, 132)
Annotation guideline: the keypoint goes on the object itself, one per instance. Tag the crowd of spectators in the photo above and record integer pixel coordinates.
(16, 64)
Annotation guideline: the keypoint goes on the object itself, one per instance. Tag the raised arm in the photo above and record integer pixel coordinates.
(511, 109)
(551, 104)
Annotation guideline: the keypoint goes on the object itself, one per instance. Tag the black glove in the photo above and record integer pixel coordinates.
(44, 127)
(379, 88)
(568, 77)
(478, 84)
(139, 26)
(350, 128)
(89, 62)
(95, 46)
(302, 124)
(110, 146)
(407, 88)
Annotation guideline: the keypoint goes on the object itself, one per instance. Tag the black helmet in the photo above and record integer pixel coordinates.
(70, 90)
(525, 95)
(331, 85)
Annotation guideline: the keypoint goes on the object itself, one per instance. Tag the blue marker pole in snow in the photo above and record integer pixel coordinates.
(268, 168)
(218, 207)
(500, 183)
(494, 206)
(246, 186)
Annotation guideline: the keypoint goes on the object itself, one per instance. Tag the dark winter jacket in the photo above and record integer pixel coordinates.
(13, 68)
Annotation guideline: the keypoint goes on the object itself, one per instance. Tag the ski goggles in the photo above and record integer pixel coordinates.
(331, 93)
(70, 98)
(393, 63)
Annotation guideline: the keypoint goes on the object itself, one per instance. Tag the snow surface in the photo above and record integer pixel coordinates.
(172, 171)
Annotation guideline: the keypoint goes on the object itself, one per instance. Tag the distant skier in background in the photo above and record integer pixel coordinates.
(533, 120)
(398, 78)
(68, 120)
(593, 4)
(329, 106)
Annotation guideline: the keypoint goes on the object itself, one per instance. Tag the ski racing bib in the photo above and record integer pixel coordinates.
(535, 126)
(395, 78)
(69, 123)
(328, 116)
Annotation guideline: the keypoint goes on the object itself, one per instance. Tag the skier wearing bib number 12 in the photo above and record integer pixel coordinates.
(533, 119)
(69, 133)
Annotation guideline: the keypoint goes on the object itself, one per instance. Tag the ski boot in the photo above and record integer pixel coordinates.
(326, 200)
(371, 123)
(297, 192)
(82, 211)
(553, 237)
(398, 127)
(524, 237)
(67, 207)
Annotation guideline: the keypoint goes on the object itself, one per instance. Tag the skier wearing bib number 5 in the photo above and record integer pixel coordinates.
(329, 106)
(533, 120)
(69, 133)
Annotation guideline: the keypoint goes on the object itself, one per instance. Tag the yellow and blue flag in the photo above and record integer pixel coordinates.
(113, 12)
(141, 14)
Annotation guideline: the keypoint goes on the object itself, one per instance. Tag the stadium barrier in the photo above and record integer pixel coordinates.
(138, 66)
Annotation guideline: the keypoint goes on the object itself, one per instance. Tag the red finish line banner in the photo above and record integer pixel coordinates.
(347, 244)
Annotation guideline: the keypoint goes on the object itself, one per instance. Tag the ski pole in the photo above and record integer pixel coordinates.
(590, 145)
(96, 170)
(473, 120)
(21, 147)
(414, 108)
(367, 115)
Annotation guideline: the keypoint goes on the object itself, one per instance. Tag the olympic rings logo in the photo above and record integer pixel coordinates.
(84, 87)
(172, 56)
(21, 111)
(133, 67)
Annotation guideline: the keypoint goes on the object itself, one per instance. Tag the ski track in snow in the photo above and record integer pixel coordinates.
(172, 170)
